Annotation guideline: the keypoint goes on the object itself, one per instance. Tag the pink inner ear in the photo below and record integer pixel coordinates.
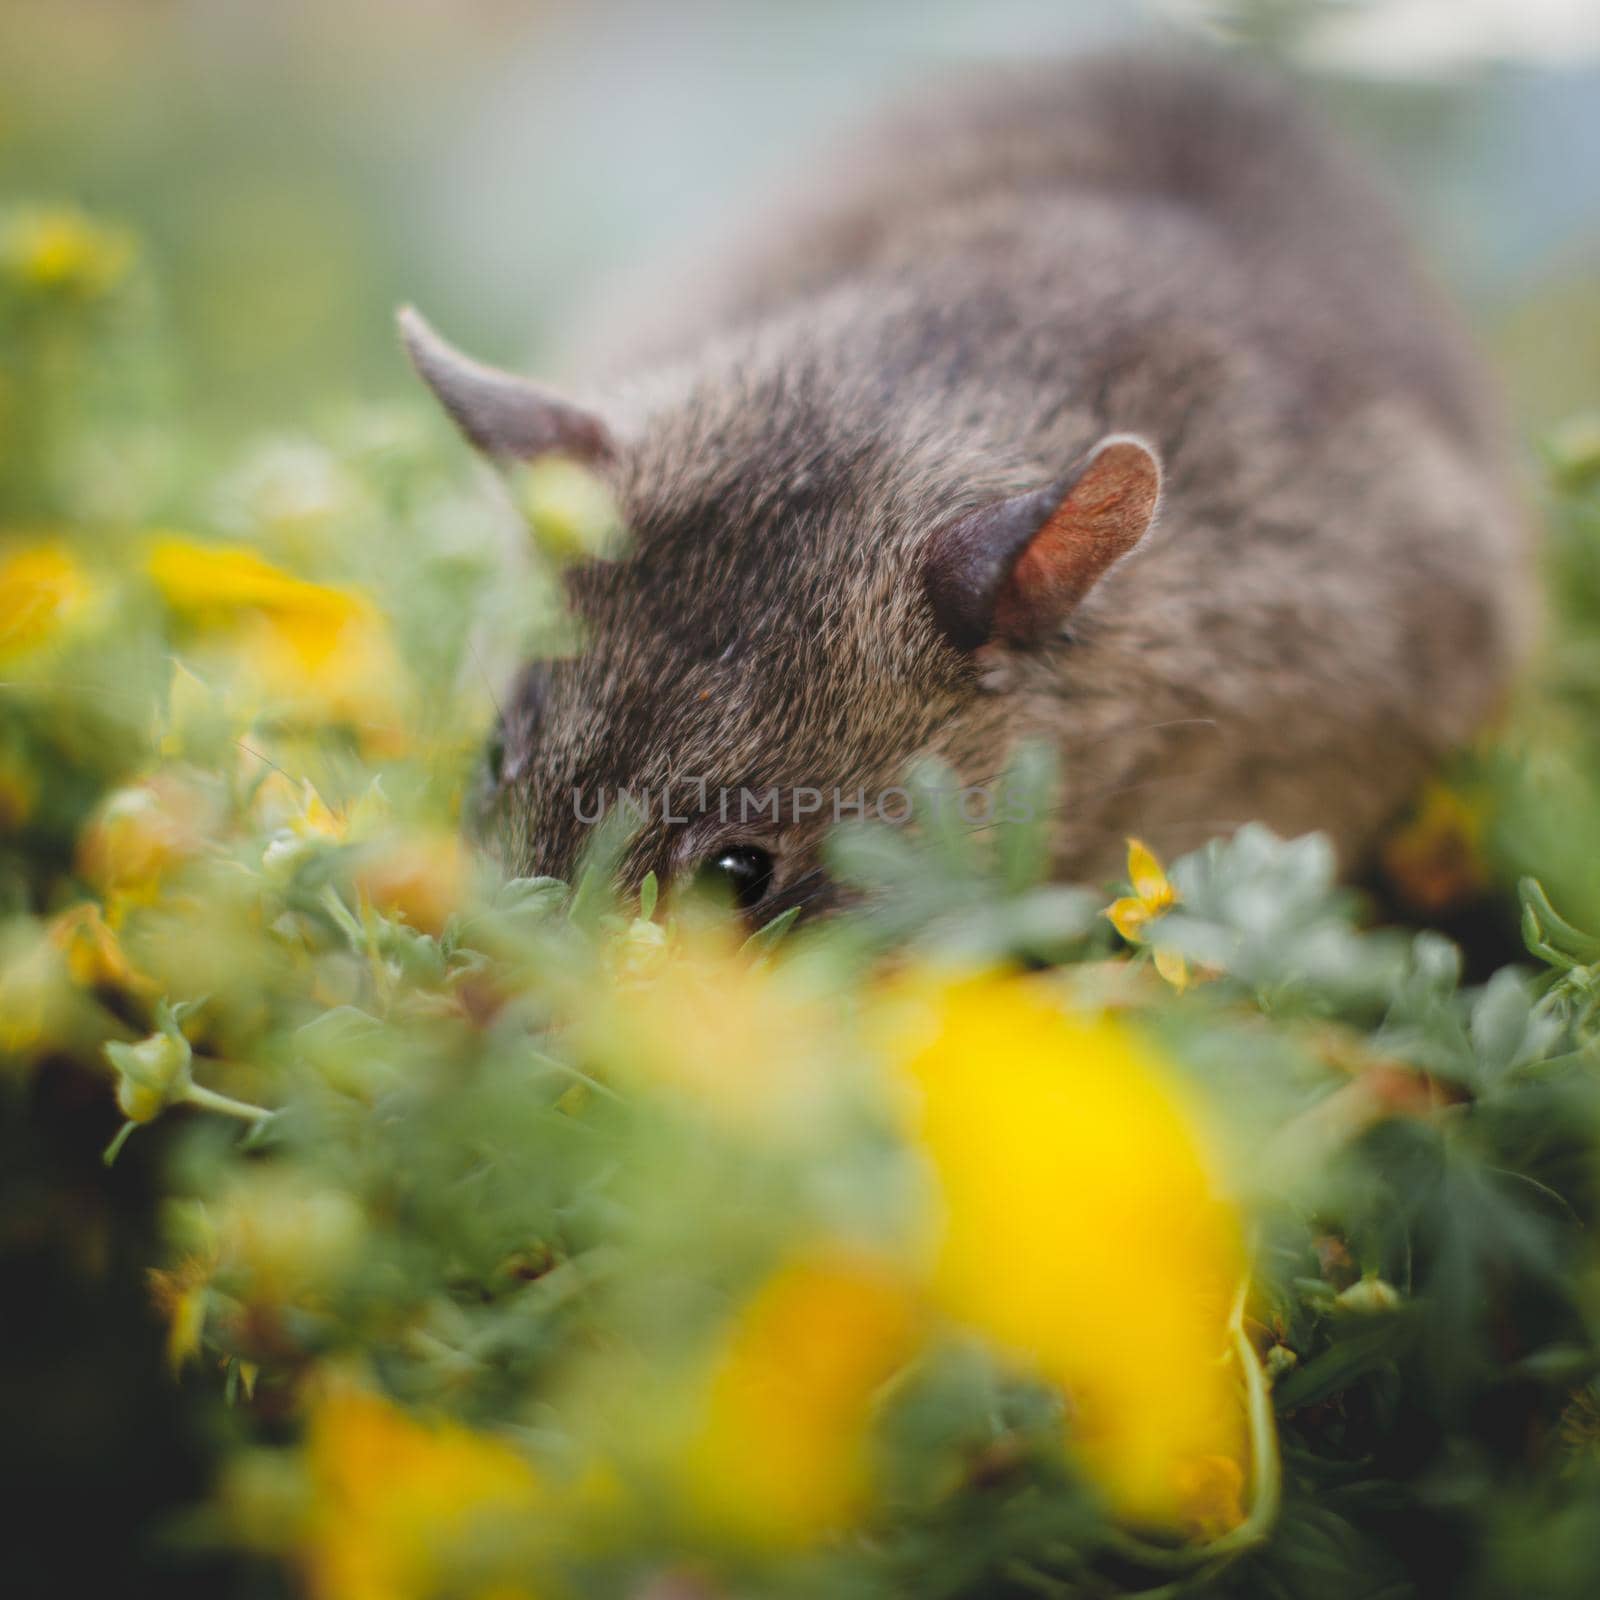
(1100, 519)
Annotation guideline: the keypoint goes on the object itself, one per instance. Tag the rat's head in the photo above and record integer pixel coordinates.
(808, 603)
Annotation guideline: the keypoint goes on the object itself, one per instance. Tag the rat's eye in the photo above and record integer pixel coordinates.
(742, 872)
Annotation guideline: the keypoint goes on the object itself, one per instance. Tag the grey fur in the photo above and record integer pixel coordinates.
(991, 281)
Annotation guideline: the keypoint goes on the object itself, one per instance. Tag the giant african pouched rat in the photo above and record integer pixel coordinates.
(1098, 403)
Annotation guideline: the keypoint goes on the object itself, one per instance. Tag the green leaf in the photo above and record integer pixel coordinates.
(1368, 1346)
(768, 936)
(1028, 794)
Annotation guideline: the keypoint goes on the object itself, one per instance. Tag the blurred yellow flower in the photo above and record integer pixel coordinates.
(42, 588)
(141, 833)
(64, 252)
(1436, 858)
(94, 954)
(204, 580)
(279, 805)
(315, 652)
(420, 877)
(782, 1458)
(1081, 1228)
(300, 823)
(394, 1502)
(283, 1240)
(35, 993)
(180, 1295)
(692, 1018)
(1153, 895)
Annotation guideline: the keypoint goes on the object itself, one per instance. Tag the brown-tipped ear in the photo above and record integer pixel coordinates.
(506, 417)
(1013, 571)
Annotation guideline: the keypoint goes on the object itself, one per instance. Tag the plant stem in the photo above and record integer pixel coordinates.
(197, 1095)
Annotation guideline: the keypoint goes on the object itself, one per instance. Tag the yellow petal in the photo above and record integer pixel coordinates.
(1129, 916)
(1173, 968)
(63, 251)
(1083, 1231)
(1437, 859)
(188, 1320)
(196, 578)
(317, 652)
(392, 1495)
(783, 1455)
(1213, 1493)
(1148, 877)
(42, 586)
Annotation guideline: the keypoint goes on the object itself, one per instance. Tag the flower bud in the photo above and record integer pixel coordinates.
(1280, 1359)
(142, 832)
(1370, 1297)
(641, 949)
(571, 513)
(1574, 451)
(152, 1074)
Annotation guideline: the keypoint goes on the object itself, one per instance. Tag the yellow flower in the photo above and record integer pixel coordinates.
(64, 252)
(282, 1240)
(782, 1457)
(1436, 859)
(419, 877)
(300, 824)
(1153, 896)
(94, 955)
(1082, 1230)
(199, 580)
(144, 832)
(42, 588)
(36, 1001)
(690, 1021)
(279, 806)
(394, 1501)
(180, 1295)
(312, 651)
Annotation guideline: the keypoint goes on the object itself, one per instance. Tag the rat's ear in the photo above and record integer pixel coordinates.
(506, 417)
(1013, 571)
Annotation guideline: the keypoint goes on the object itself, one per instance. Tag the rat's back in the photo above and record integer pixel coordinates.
(969, 302)
(1303, 257)
(1018, 261)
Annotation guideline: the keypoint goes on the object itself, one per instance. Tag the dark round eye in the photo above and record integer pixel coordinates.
(742, 872)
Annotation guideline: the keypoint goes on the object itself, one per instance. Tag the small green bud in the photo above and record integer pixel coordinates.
(152, 1074)
(571, 513)
(1574, 450)
(1370, 1297)
(1279, 1360)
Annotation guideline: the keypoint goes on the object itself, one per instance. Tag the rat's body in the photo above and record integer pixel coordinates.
(1330, 598)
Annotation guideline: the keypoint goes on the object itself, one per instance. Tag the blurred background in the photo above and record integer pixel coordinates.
(297, 168)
